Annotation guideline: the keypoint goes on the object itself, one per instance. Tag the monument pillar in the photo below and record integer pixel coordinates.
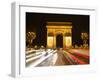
(64, 42)
(54, 41)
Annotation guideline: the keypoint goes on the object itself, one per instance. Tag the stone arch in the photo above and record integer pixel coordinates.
(56, 28)
(67, 34)
(50, 34)
(59, 40)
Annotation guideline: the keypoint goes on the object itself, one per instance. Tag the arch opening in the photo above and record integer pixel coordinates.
(59, 41)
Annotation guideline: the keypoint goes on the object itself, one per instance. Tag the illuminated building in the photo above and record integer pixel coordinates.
(59, 30)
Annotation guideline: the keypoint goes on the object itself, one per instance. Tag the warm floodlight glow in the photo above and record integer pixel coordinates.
(68, 41)
(50, 42)
(59, 28)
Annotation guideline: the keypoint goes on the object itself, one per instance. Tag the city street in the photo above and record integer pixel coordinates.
(60, 58)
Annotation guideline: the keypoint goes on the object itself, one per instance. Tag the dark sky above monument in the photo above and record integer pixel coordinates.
(36, 22)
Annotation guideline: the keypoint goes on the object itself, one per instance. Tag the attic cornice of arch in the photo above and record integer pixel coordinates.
(59, 27)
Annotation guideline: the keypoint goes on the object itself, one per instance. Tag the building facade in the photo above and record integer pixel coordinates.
(59, 34)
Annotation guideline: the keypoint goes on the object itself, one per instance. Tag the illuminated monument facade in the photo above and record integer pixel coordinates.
(57, 39)
(59, 34)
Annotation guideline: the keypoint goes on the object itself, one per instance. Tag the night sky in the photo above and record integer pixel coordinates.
(36, 22)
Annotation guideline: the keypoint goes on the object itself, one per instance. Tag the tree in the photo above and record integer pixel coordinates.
(84, 37)
(30, 36)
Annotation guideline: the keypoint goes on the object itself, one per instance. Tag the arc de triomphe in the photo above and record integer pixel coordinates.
(63, 29)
